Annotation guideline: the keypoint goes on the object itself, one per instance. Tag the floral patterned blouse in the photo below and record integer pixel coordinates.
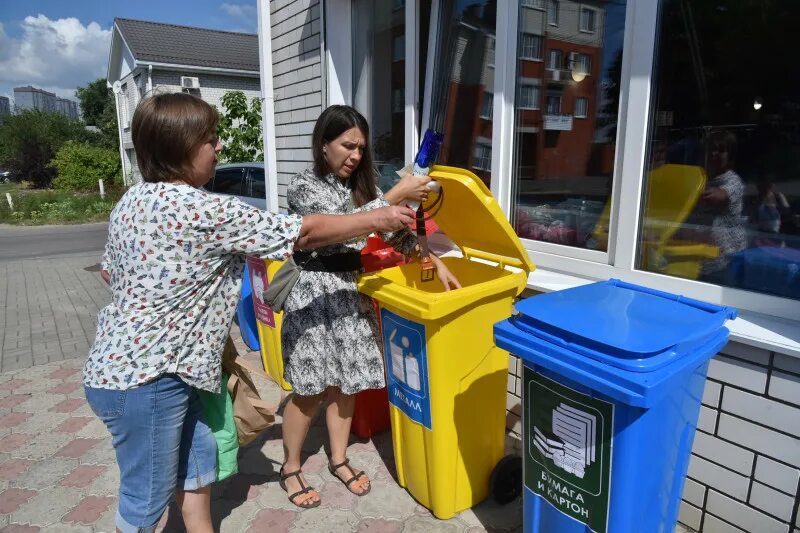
(176, 258)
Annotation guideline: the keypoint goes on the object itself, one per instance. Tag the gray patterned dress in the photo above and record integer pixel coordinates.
(330, 333)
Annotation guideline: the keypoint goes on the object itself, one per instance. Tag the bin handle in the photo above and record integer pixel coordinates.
(501, 260)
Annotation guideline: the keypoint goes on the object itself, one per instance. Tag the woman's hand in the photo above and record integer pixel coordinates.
(392, 218)
(409, 188)
(106, 275)
(445, 276)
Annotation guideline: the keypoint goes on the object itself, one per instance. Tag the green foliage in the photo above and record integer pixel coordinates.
(97, 107)
(240, 129)
(57, 207)
(30, 139)
(80, 166)
(94, 98)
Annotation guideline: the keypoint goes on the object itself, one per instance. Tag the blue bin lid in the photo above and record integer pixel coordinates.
(624, 325)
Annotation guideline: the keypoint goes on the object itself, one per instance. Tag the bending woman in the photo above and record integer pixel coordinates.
(330, 337)
(174, 259)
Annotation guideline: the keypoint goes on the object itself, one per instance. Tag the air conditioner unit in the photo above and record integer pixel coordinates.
(189, 82)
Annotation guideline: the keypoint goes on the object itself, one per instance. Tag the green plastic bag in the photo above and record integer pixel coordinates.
(218, 411)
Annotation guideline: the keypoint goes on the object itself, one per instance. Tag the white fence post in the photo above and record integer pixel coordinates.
(102, 189)
(10, 202)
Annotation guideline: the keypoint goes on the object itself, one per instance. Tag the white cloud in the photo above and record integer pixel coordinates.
(55, 55)
(246, 14)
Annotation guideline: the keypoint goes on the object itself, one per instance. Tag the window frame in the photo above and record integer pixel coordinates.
(641, 24)
(559, 63)
(488, 102)
(580, 18)
(586, 108)
(556, 18)
(537, 97)
(540, 48)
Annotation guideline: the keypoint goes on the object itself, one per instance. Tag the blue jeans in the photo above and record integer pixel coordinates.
(161, 443)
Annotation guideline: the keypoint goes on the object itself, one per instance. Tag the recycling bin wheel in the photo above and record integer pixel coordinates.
(505, 483)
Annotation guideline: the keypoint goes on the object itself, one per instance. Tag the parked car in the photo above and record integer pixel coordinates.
(7, 176)
(246, 181)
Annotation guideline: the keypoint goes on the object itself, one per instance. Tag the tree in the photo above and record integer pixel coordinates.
(99, 110)
(240, 129)
(30, 139)
(94, 98)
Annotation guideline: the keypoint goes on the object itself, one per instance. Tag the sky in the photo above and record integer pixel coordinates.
(59, 45)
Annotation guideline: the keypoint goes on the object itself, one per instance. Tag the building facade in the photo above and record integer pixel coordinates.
(150, 57)
(30, 97)
(617, 146)
(5, 106)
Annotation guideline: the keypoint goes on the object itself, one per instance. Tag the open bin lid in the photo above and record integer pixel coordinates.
(471, 217)
(627, 326)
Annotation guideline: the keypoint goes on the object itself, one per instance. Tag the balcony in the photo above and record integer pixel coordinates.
(558, 122)
(560, 75)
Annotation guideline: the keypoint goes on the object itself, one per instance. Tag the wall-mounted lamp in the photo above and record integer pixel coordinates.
(577, 71)
(757, 103)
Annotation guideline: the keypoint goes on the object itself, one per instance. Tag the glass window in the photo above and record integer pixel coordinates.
(588, 19)
(379, 82)
(535, 4)
(581, 107)
(398, 4)
(554, 103)
(399, 48)
(462, 75)
(722, 179)
(258, 187)
(554, 59)
(552, 12)
(563, 167)
(487, 109)
(483, 157)
(227, 181)
(528, 97)
(530, 46)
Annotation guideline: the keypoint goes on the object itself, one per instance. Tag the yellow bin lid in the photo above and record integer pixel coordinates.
(471, 217)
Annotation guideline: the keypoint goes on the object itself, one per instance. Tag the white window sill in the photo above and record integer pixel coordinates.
(753, 329)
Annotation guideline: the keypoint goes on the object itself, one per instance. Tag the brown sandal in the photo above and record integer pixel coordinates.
(306, 504)
(356, 476)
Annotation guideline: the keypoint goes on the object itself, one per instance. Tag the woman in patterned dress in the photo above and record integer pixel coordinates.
(174, 260)
(329, 333)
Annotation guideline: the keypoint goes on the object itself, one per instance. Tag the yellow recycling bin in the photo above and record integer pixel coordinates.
(446, 378)
(267, 320)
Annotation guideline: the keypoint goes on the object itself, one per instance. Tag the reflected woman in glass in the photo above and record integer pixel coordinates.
(723, 199)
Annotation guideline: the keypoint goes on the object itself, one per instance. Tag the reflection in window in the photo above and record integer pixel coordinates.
(530, 46)
(588, 19)
(463, 75)
(552, 12)
(554, 59)
(565, 144)
(581, 107)
(487, 109)
(483, 157)
(528, 97)
(379, 82)
(722, 181)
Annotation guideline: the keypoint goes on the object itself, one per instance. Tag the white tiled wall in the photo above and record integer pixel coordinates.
(297, 79)
(745, 467)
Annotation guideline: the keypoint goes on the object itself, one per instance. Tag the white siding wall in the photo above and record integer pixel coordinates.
(745, 465)
(297, 75)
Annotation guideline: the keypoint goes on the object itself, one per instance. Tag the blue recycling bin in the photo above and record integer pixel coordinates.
(613, 378)
(246, 314)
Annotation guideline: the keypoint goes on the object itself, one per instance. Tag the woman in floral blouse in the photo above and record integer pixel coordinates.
(174, 260)
(330, 333)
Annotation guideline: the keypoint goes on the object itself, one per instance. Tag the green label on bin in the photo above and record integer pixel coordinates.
(568, 438)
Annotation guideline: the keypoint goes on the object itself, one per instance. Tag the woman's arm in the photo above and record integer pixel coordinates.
(411, 188)
(322, 230)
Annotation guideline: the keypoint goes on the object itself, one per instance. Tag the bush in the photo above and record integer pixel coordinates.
(80, 166)
(30, 139)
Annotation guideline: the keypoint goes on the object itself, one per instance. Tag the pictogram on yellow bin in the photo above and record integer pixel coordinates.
(447, 380)
(268, 321)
